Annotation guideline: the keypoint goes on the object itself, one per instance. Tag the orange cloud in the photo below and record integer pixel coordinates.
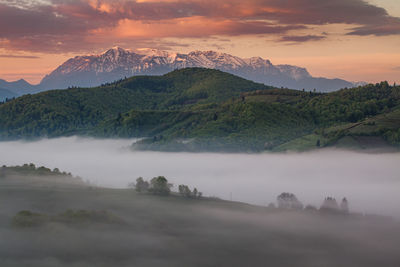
(194, 27)
(59, 25)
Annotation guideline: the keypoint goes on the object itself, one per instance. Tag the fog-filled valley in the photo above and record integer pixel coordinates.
(370, 182)
(50, 217)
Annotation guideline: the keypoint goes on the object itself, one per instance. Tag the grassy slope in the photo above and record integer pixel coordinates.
(371, 133)
(173, 231)
(277, 120)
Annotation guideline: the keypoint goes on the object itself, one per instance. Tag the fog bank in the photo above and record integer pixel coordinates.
(371, 182)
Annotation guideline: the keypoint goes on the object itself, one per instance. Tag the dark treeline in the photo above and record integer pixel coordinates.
(289, 201)
(160, 186)
(285, 201)
(31, 169)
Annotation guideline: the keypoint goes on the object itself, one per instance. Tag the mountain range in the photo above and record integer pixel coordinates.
(17, 88)
(117, 63)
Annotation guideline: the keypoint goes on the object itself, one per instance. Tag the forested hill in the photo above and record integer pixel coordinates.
(204, 110)
(76, 110)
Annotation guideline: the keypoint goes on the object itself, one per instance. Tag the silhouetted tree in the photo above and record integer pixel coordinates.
(141, 185)
(184, 190)
(160, 186)
(195, 192)
(329, 205)
(344, 206)
(289, 201)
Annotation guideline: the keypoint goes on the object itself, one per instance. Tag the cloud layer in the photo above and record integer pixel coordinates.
(73, 25)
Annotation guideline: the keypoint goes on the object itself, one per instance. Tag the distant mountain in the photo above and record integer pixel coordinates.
(117, 63)
(20, 87)
(6, 94)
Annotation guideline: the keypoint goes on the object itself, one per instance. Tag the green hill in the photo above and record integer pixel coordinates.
(74, 111)
(274, 119)
(204, 110)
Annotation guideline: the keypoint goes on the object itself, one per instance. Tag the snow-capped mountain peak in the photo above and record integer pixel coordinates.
(118, 62)
(151, 52)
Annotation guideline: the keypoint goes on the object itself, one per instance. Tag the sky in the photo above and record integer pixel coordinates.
(355, 40)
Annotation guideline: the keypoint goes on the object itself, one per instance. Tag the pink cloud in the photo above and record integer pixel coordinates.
(73, 25)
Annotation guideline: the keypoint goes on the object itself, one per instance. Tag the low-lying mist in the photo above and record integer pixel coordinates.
(371, 182)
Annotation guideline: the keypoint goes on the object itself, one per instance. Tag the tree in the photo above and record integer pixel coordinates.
(329, 205)
(289, 201)
(344, 206)
(184, 190)
(141, 185)
(160, 186)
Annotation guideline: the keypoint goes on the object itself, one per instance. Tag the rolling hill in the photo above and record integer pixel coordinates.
(76, 110)
(50, 219)
(199, 109)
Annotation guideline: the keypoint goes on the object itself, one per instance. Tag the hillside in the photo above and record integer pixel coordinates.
(267, 120)
(201, 110)
(53, 224)
(76, 110)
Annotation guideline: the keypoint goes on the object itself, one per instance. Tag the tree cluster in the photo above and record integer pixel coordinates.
(330, 205)
(158, 185)
(289, 201)
(185, 191)
(31, 169)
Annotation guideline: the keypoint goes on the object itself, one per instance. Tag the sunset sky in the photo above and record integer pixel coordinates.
(351, 39)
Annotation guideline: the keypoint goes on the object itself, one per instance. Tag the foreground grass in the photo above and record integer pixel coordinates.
(175, 231)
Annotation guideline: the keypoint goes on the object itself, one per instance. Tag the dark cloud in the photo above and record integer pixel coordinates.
(301, 38)
(389, 26)
(71, 25)
(320, 12)
(49, 20)
(16, 56)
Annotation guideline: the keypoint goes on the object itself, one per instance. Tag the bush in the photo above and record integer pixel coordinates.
(160, 186)
(141, 185)
(289, 201)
